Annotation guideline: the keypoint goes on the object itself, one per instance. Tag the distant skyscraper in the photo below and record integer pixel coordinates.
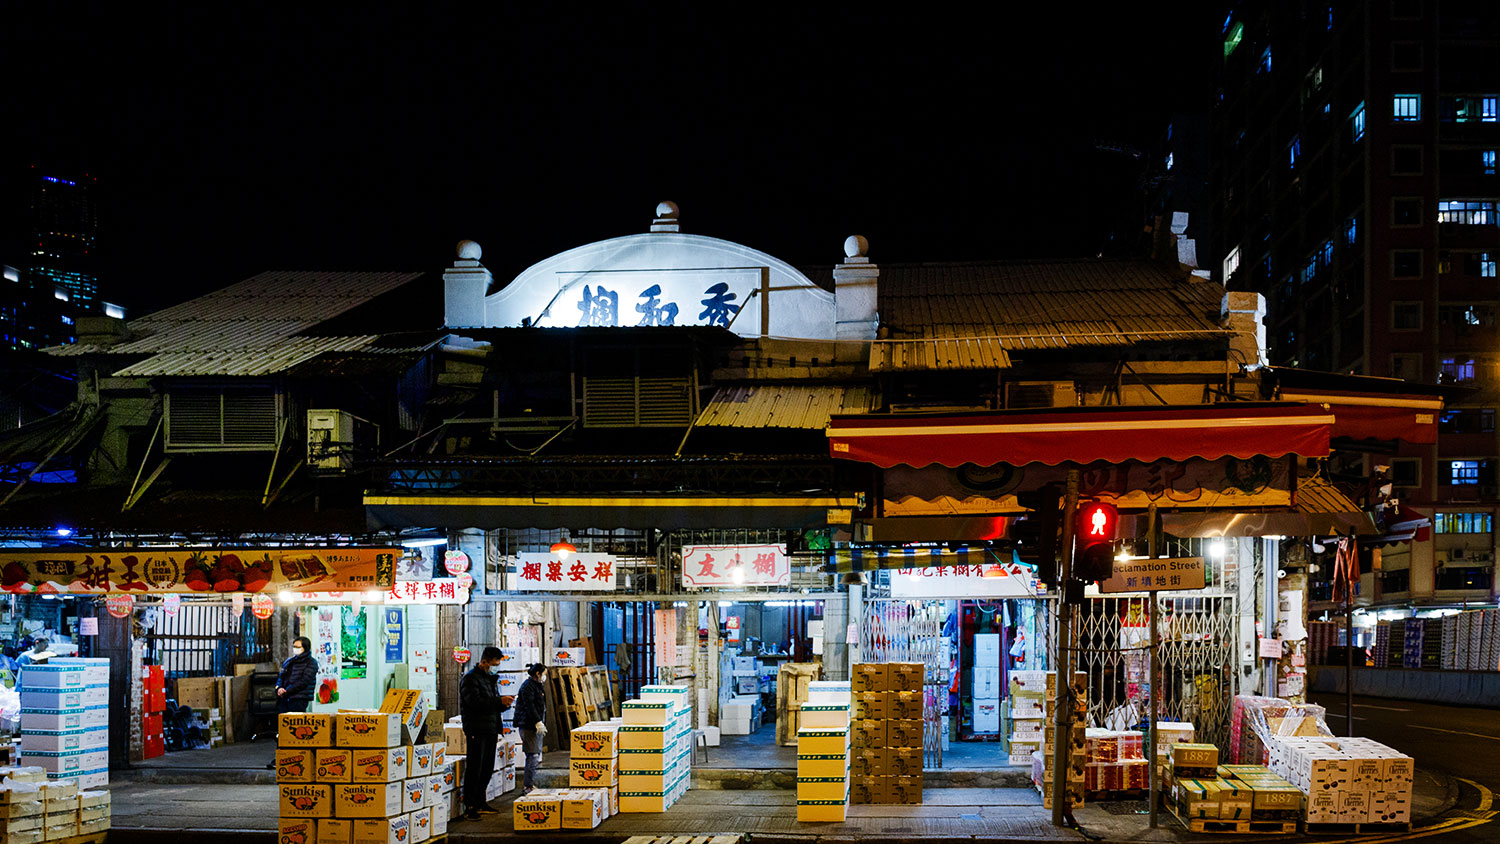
(63, 222)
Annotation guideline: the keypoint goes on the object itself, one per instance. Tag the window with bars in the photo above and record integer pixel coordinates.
(1463, 522)
(1457, 370)
(1471, 316)
(1463, 472)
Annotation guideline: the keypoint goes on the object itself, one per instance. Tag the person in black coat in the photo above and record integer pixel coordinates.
(531, 720)
(480, 705)
(297, 680)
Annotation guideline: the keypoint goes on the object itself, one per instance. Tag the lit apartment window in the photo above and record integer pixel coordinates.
(1472, 109)
(1231, 262)
(1487, 161)
(1463, 472)
(1265, 62)
(1234, 32)
(1351, 231)
(1463, 522)
(1294, 150)
(1468, 212)
(1357, 119)
(1456, 369)
(1406, 108)
(1486, 262)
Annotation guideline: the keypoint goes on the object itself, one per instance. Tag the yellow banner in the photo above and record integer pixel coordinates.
(103, 571)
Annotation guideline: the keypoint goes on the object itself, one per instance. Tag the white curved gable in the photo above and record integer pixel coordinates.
(666, 278)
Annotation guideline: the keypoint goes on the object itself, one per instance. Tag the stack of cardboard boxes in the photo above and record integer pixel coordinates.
(656, 748)
(823, 753)
(154, 704)
(1116, 762)
(1351, 780)
(357, 777)
(593, 785)
(986, 675)
(34, 808)
(1201, 789)
(887, 731)
(1076, 739)
(65, 719)
(1027, 715)
(1169, 733)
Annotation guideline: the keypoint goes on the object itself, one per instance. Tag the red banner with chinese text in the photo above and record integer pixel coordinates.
(103, 571)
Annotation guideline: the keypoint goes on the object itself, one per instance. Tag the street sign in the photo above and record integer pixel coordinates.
(1149, 575)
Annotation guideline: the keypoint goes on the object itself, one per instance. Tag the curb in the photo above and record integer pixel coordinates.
(1450, 798)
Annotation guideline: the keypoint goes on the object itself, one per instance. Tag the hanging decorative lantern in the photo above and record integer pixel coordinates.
(262, 605)
(171, 603)
(237, 602)
(120, 606)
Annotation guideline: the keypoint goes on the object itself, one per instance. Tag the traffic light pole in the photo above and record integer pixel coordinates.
(1063, 719)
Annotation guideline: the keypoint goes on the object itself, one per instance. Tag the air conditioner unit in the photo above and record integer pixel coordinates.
(335, 437)
(1028, 394)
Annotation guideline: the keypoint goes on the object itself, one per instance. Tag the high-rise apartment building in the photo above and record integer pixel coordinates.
(63, 221)
(1355, 181)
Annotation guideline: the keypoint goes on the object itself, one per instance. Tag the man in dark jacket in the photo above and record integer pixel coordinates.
(480, 703)
(531, 720)
(297, 680)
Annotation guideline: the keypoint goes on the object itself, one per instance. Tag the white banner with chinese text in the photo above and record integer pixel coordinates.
(580, 572)
(993, 580)
(705, 566)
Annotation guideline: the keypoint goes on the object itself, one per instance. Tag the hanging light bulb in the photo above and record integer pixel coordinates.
(563, 548)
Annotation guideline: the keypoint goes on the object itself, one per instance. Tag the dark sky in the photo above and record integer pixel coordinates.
(226, 143)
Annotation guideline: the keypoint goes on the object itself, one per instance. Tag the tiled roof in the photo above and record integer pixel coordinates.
(1048, 304)
(782, 405)
(249, 328)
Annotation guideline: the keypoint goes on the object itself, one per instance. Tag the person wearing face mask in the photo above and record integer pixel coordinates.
(298, 678)
(531, 720)
(480, 704)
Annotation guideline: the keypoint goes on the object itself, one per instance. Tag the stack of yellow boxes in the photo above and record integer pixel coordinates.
(656, 748)
(1076, 741)
(1271, 797)
(887, 732)
(823, 754)
(1201, 789)
(356, 778)
(593, 785)
(34, 808)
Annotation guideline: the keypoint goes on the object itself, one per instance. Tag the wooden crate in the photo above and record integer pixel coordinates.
(791, 692)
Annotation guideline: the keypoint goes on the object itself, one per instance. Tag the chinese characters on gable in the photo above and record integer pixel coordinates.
(599, 306)
(735, 565)
(581, 572)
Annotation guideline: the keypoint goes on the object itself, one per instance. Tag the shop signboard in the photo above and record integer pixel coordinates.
(730, 566)
(989, 580)
(456, 562)
(100, 571)
(394, 634)
(442, 590)
(1146, 574)
(573, 572)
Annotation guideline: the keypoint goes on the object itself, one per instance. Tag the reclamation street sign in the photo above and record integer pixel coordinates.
(1150, 575)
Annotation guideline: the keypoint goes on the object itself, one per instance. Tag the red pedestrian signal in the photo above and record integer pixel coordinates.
(1095, 542)
(1097, 522)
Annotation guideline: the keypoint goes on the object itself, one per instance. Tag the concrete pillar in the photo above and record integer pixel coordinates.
(835, 646)
(855, 286)
(1244, 314)
(465, 285)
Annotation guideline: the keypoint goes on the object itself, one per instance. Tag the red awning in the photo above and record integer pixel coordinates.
(1082, 435)
(1372, 416)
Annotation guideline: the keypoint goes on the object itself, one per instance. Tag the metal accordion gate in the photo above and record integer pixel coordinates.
(908, 631)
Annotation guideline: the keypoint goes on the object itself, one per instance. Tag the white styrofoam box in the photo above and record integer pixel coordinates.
(92, 779)
(51, 676)
(711, 736)
(54, 719)
(987, 683)
(512, 659)
(745, 663)
(96, 716)
(96, 695)
(567, 657)
(95, 669)
(52, 741)
(50, 698)
(735, 727)
(69, 762)
(986, 650)
(829, 691)
(986, 716)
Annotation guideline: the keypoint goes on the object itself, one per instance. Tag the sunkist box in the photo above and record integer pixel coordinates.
(411, 706)
(368, 799)
(306, 800)
(595, 741)
(368, 729)
(538, 811)
(378, 764)
(305, 729)
(587, 773)
(392, 830)
(332, 765)
(295, 764)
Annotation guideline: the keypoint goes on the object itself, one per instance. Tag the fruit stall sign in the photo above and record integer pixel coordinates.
(731, 566)
(262, 606)
(575, 572)
(461, 655)
(120, 606)
(172, 603)
(101, 571)
(456, 562)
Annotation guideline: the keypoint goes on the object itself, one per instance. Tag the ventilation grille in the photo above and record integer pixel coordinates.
(637, 388)
(200, 419)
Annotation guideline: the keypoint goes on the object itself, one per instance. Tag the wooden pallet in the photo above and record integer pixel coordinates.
(722, 838)
(1356, 828)
(1247, 827)
(91, 838)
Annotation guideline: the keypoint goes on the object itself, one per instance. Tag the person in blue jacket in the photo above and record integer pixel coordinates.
(297, 680)
(531, 720)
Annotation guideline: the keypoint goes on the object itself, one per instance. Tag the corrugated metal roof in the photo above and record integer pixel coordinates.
(1316, 496)
(805, 406)
(250, 328)
(942, 353)
(1048, 304)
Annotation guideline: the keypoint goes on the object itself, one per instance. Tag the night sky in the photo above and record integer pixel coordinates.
(227, 143)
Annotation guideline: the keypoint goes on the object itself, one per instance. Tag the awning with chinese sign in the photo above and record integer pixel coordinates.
(443, 590)
(101, 571)
(732, 566)
(1370, 416)
(1129, 485)
(663, 512)
(846, 560)
(992, 580)
(1082, 435)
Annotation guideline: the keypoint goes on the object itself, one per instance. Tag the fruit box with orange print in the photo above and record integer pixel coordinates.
(332, 765)
(297, 831)
(304, 729)
(593, 773)
(584, 808)
(393, 830)
(595, 741)
(306, 800)
(421, 825)
(368, 729)
(295, 764)
(540, 810)
(368, 799)
(413, 794)
(378, 764)
(335, 832)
